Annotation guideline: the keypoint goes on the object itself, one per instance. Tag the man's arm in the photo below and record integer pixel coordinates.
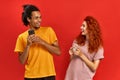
(52, 48)
(23, 55)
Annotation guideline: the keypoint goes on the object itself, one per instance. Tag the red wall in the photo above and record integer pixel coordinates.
(65, 16)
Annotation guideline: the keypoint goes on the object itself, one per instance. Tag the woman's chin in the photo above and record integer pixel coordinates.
(83, 34)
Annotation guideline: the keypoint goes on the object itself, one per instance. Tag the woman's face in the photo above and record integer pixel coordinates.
(84, 28)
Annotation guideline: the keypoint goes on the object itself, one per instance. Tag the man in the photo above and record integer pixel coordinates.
(35, 49)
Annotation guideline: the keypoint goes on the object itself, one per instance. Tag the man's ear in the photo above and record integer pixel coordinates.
(28, 19)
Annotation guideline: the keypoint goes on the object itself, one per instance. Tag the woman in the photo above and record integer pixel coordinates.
(86, 51)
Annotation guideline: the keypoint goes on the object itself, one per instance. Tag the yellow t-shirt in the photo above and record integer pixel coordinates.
(40, 61)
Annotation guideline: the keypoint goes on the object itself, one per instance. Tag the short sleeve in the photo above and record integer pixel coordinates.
(74, 44)
(52, 35)
(100, 54)
(19, 45)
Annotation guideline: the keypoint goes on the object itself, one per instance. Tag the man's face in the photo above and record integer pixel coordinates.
(35, 20)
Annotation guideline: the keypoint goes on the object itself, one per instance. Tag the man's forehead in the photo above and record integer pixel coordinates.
(36, 13)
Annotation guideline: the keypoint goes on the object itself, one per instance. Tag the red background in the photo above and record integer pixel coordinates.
(65, 17)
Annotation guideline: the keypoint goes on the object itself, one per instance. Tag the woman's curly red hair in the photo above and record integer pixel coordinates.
(94, 34)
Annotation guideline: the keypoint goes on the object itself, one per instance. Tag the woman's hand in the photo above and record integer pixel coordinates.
(77, 51)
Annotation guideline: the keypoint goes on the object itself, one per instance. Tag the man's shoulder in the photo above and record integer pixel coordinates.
(46, 28)
(23, 33)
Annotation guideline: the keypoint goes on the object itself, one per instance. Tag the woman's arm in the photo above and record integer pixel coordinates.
(93, 65)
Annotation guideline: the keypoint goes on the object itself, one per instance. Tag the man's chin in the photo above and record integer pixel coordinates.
(36, 27)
